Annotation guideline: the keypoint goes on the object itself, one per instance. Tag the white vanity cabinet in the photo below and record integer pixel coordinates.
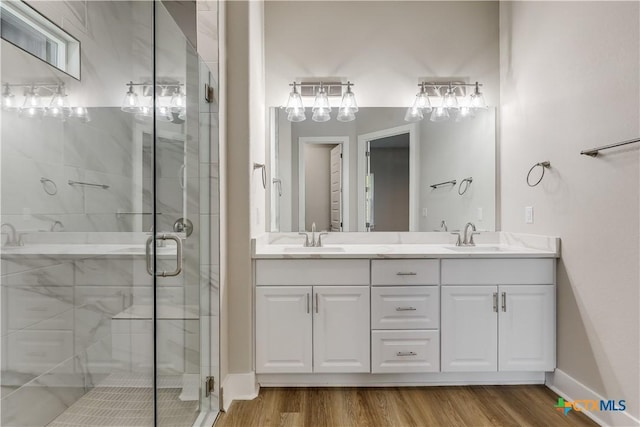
(405, 316)
(499, 327)
(318, 321)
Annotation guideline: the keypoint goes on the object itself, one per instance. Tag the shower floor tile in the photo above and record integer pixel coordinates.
(128, 407)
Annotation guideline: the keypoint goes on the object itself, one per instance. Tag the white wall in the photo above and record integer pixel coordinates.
(570, 81)
(383, 47)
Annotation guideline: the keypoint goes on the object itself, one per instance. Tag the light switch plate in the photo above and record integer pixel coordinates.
(528, 215)
(424, 212)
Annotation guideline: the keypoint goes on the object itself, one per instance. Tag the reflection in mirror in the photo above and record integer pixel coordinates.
(380, 173)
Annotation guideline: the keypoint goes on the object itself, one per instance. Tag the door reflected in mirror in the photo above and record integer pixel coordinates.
(380, 173)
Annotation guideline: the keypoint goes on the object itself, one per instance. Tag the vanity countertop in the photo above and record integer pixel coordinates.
(406, 245)
(80, 250)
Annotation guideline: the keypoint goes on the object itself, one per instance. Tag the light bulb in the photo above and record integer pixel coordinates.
(59, 105)
(439, 114)
(414, 114)
(450, 100)
(321, 101)
(8, 99)
(130, 101)
(31, 106)
(346, 114)
(477, 99)
(178, 101)
(422, 100)
(349, 100)
(295, 100)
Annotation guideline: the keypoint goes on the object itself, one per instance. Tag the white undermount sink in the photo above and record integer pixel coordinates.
(313, 249)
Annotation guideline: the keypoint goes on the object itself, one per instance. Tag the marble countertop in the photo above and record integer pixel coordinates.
(406, 245)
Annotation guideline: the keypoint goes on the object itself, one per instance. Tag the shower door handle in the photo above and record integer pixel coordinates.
(165, 236)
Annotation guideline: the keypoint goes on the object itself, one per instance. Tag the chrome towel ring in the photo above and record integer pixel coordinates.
(49, 186)
(464, 185)
(543, 165)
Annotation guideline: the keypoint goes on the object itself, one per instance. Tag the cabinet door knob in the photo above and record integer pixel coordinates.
(405, 309)
(406, 353)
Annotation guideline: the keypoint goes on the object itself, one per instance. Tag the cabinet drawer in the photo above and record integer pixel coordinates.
(312, 272)
(405, 272)
(405, 307)
(405, 351)
(517, 271)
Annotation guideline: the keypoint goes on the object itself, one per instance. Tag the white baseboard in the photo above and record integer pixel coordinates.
(239, 387)
(399, 380)
(571, 389)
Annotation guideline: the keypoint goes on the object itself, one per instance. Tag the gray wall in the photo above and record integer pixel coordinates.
(570, 81)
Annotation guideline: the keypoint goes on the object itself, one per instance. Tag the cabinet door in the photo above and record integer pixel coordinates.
(283, 329)
(527, 328)
(341, 333)
(469, 335)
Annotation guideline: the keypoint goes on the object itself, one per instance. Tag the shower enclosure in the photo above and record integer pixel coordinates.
(109, 209)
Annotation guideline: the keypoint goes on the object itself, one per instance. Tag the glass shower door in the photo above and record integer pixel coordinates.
(184, 178)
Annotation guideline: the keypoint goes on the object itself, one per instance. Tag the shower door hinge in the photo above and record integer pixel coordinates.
(208, 93)
(209, 384)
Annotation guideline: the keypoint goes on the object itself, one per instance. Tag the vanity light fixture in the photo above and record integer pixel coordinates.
(453, 104)
(36, 101)
(295, 107)
(81, 113)
(321, 106)
(170, 100)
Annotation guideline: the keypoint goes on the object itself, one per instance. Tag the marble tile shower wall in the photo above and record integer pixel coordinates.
(101, 151)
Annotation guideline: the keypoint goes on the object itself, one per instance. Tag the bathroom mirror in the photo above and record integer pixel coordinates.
(380, 173)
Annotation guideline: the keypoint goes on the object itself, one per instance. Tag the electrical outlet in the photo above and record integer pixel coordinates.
(424, 212)
(528, 215)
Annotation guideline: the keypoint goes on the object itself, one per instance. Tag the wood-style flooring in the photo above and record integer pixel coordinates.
(529, 405)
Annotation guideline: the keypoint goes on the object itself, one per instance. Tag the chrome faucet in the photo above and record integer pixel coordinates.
(468, 238)
(13, 239)
(313, 243)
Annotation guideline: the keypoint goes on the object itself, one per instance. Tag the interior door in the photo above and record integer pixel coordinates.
(336, 187)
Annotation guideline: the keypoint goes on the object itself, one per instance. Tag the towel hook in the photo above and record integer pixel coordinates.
(544, 165)
(264, 173)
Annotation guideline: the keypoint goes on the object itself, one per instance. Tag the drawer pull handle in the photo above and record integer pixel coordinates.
(504, 301)
(406, 309)
(406, 353)
(495, 302)
(407, 273)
